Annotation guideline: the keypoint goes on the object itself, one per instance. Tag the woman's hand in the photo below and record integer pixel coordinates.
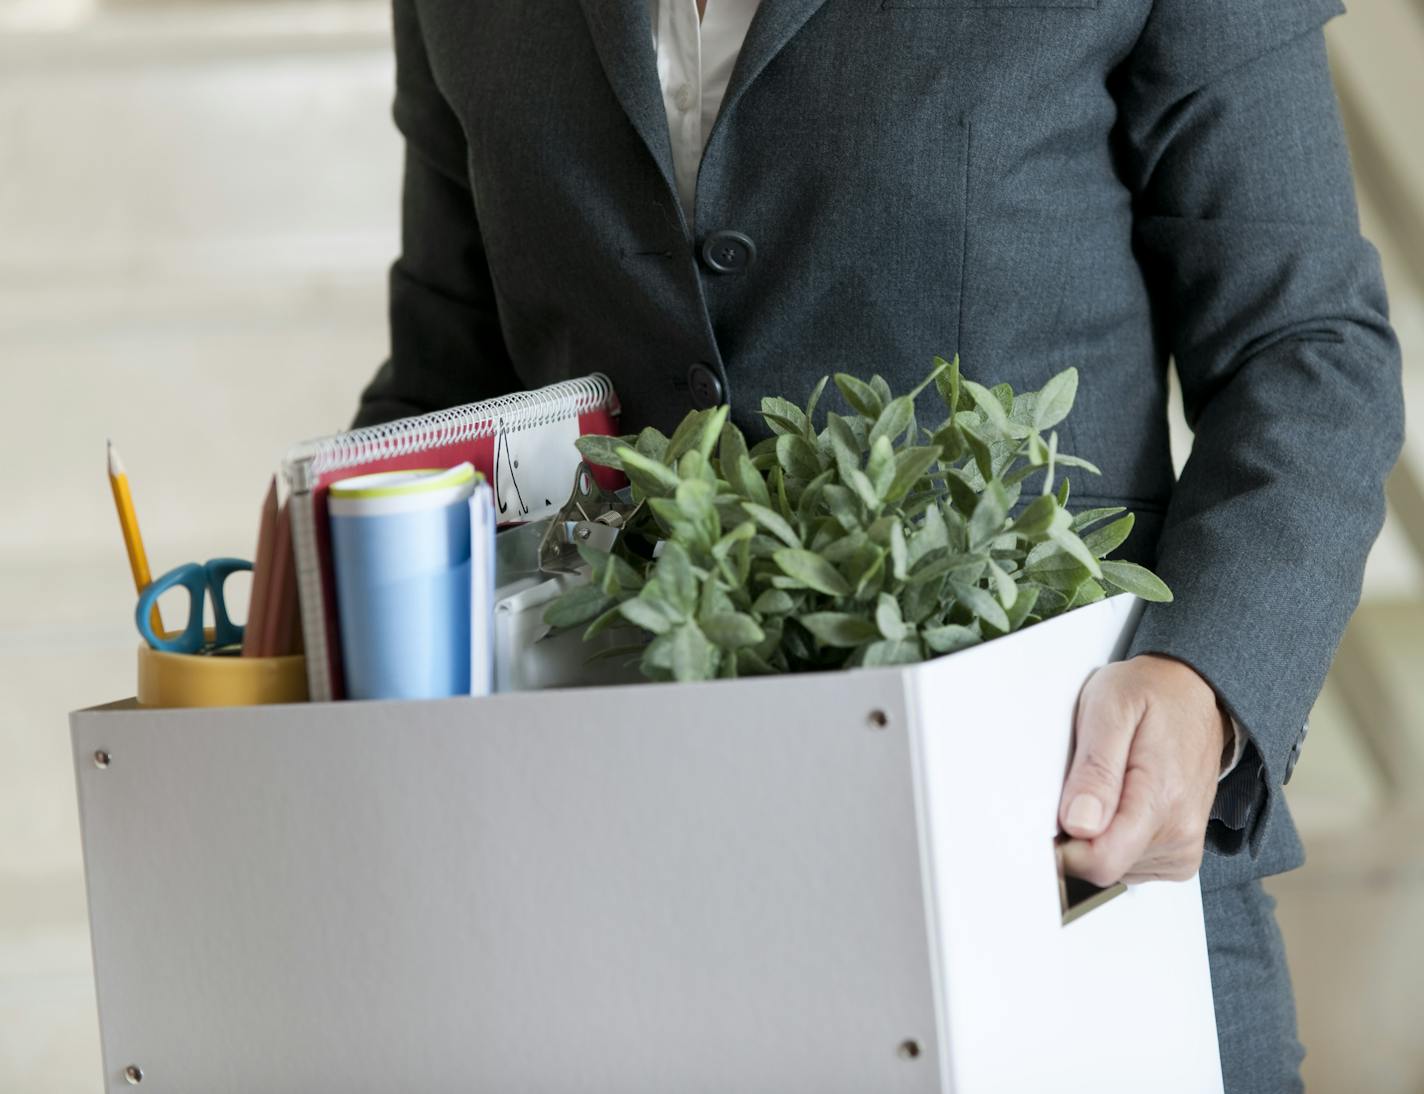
(1149, 739)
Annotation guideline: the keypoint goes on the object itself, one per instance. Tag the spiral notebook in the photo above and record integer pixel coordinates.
(523, 444)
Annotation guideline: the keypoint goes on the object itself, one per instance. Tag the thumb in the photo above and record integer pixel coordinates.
(1103, 730)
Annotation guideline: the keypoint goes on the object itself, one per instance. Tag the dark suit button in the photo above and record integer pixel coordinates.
(728, 252)
(705, 384)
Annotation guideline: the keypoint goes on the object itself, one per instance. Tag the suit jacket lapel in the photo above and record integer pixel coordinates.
(623, 37)
(771, 28)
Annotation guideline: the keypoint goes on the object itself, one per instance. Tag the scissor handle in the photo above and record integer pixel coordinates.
(225, 632)
(200, 581)
(190, 640)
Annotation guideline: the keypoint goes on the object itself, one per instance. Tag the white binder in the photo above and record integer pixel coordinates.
(820, 883)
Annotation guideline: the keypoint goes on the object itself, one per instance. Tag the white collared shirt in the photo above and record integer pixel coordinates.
(695, 62)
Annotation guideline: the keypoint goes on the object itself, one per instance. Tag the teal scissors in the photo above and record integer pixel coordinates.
(202, 580)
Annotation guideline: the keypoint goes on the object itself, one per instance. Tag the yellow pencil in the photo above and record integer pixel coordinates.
(128, 522)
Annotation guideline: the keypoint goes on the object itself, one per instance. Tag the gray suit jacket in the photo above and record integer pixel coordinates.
(1030, 183)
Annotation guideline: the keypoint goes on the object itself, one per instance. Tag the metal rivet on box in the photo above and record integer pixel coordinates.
(877, 719)
(133, 1074)
(908, 1050)
(101, 759)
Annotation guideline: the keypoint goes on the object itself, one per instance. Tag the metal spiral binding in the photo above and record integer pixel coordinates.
(522, 410)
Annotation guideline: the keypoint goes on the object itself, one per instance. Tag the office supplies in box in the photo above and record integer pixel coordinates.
(522, 443)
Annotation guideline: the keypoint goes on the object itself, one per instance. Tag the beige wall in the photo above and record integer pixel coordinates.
(197, 204)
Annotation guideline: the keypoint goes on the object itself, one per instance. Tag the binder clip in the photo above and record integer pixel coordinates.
(591, 517)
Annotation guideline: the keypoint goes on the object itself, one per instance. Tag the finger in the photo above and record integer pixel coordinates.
(1121, 849)
(1104, 726)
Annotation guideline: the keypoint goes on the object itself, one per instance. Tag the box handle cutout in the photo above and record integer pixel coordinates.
(1077, 897)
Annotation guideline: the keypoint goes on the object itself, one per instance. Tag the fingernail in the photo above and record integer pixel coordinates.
(1085, 813)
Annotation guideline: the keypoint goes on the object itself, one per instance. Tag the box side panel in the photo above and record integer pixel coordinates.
(693, 888)
(1033, 1004)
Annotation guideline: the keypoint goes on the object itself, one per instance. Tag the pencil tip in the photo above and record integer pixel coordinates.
(116, 466)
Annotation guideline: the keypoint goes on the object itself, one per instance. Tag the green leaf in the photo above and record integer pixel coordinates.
(577, 606)
(610, 572)
(899, 652)
(602, 451)
(911, 465)
(812, 571)
(860, 395)
(989, 515)
(1050, 464)
(864, 489)
(844, 445)
(808, 508)
(1028, 595)
(694, 497)
(1075, 461)
(732, 446)
(979, 448)
(872, 575)
(981, 603)
(652, 443)
(1056, 399)
(645, 613)
(724, 546)
(1090, 592)
(747, 481)
(797, 457)
(815, 400)
(773, 522)
(1004, 586)
(687, 435)
(932, 535)
(880, 468)
(609, 617)
(1110, 537)
(841, 504)
(888, 619)
(1138, 580)
(839, 629)
(894, 420)
(1037, 517)
(842, 550)
(1076, 548)
(941, 367)
(676, 578)
(951, 637)
(784, 416)
(899, 552)
(947, 383)
(712, 430)
(732, 630)
(993, 409)
(1089, 517)
(692, 656)
(1056, 569)
(651, 477)
(951, 440)
(774, 602)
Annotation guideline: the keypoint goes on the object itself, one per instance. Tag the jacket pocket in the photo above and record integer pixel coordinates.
(886, 5)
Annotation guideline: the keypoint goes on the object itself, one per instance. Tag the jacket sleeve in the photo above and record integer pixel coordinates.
(446, 344)
(1274, 309)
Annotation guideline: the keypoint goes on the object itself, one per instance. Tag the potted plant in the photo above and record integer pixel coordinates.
(866, 538)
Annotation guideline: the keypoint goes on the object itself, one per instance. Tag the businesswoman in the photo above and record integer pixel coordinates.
(711, 200)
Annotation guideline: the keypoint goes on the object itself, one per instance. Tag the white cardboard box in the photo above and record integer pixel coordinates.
(819, 883)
